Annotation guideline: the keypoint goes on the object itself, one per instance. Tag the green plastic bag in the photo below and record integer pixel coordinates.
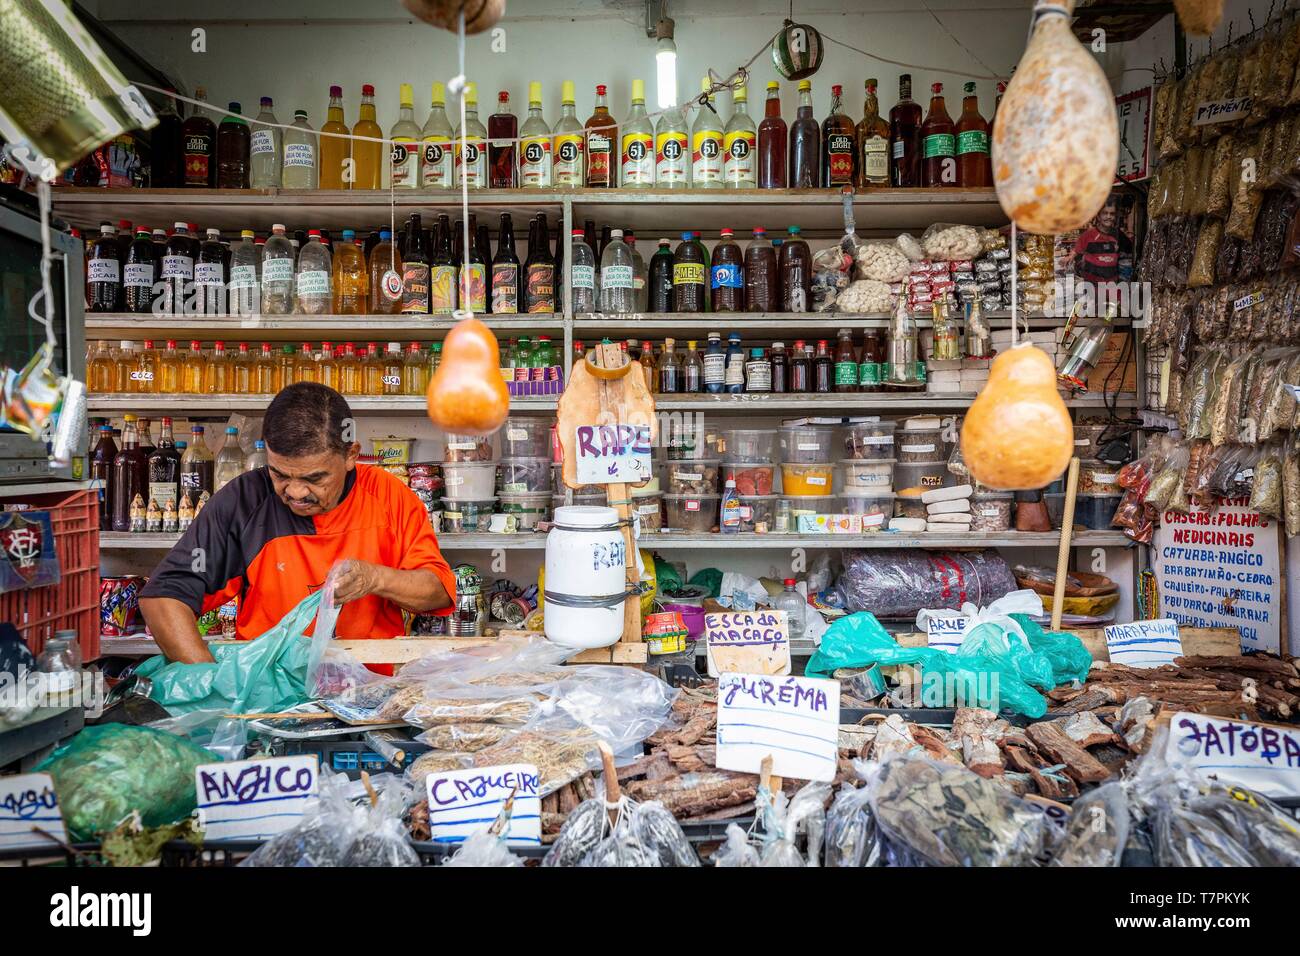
(268, 673)
(992, 668)
(709, 578)
(105, 773)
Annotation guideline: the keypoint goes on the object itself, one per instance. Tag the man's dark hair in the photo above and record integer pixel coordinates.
(306, 419)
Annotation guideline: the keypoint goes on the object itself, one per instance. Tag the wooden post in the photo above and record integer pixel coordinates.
(608, 355)
(1067, 534)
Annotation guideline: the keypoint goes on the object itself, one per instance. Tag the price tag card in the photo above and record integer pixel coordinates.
(1144, 643)
(462, 802)
(793, 720)
(613, 454)
(28, 808)
(747, 642)
(946, 633)
(254, 799)
(1259, 757)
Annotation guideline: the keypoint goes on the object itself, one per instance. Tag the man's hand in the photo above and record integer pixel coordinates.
(358, 579)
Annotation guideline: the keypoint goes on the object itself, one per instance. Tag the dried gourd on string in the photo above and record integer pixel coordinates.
(1207, 249)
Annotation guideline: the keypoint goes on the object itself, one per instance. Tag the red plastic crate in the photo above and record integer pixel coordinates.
(73, 603)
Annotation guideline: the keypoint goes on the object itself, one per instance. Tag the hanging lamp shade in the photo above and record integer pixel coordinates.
(797, 51)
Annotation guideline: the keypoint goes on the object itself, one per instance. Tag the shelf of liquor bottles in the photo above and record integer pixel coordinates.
(191, 406)
(298, 328)
(818, 212)
(668, 540)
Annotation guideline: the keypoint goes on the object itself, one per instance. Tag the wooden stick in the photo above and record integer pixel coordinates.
(270, 715)
(766, 778)
(612, 791)
(1067, 533)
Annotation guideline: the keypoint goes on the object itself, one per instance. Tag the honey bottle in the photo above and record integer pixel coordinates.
(102, 370)
(285, 368)
(145, 376)
(305, 367)
(391, 365)
(193, 370)
(216, 377)
(327, 369)
(241, 371)
(414, 374)
(264, 372)
(372, 369)
(350, 381)
(169, 370)
(123, 366)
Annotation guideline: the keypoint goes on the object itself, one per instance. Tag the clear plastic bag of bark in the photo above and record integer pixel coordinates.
(1207, 250)
(783, 820)
(736, 849)
(1266, 488)
(347, 826)
(641, 834)
(1168, 478)
(1198, 822)
(850, 828)
(488, 847)
(941, 814)
(1256, 425)
(1097, 830)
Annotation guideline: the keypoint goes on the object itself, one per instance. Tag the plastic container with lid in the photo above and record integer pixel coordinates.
(869, 441)
(523, 476)
(758, 513)
(526, 437)
(807, 480)
(466, 516)
(693, 513)
(991, 510)
(876, 509)
(457, 448)
(909, 505)
(1094, 511)
(687, 441)
(815, 505)
(649, 510)
(921, 477)
(749, 444)
(470, 481)
(584, 590)
(1087, 439)
(751, 478)
(807, 444)
(528, 509)
(699, 476)
(557, 483)
(1099, 478)
(875, 476)
(921, 445)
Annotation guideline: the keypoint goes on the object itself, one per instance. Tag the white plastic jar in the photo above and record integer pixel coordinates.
(586, 577)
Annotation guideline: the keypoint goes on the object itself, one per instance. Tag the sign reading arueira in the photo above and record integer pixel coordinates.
(747, 642)
(1221, 570)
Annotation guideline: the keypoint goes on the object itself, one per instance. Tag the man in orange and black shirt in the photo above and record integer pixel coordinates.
(271, 536)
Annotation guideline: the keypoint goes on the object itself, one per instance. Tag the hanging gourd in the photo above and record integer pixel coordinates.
(479, 14)
(1056, 139)
(1199, 17)
(1018, 434)
(467, 395)
(797, 51)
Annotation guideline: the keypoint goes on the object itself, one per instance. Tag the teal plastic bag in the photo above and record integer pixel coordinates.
(105, 773)
(992, 668)
(268, 673)
(710, 578)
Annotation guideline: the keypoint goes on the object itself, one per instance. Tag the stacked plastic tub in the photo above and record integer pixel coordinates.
(748, 459)
(524, 482)
(922, 465)
(808, 455)
(469, 472)
(868, 472)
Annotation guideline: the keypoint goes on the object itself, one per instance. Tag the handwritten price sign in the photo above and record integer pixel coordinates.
(793, 720)
(1260, 757)
(254, 799)
(747, 642)
(462, 802)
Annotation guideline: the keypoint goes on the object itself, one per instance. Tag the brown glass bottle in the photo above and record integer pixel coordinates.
(199, 146)
(846, 363)
(780, 368)
(762, 292)
(823, 368)
(805, 143)
(974, 166)
(800, 368)
(602, 133)
(796, 274)
(872, 142)
(839, 150)
(938, 143)
(772, 141)
(101, 475)
(130, 477)
(905, 137)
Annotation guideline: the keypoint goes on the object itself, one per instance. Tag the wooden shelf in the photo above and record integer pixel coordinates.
(299, 328)
(216, 406)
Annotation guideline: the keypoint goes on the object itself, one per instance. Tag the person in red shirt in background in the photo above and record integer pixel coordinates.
(272, 535)
(1097, 251)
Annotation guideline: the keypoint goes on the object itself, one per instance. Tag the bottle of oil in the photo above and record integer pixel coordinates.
(193, 370)
(216, 377)
(102, 370)
(169, 370)
(327, 369)
(305, 368)
(367, 155)
(285, 368)
(264, 372)
(414, 381)
(335, 151)
(241, 371)
(372, 370)
(350, 378)
(145, 376)
(123, 367)
(392, 369)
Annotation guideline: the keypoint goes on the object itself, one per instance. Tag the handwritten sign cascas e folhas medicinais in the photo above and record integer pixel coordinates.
(28, 804)
(254, 799)
(747, 642)
(1259, 757)
(463, 802)
(794, 720)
